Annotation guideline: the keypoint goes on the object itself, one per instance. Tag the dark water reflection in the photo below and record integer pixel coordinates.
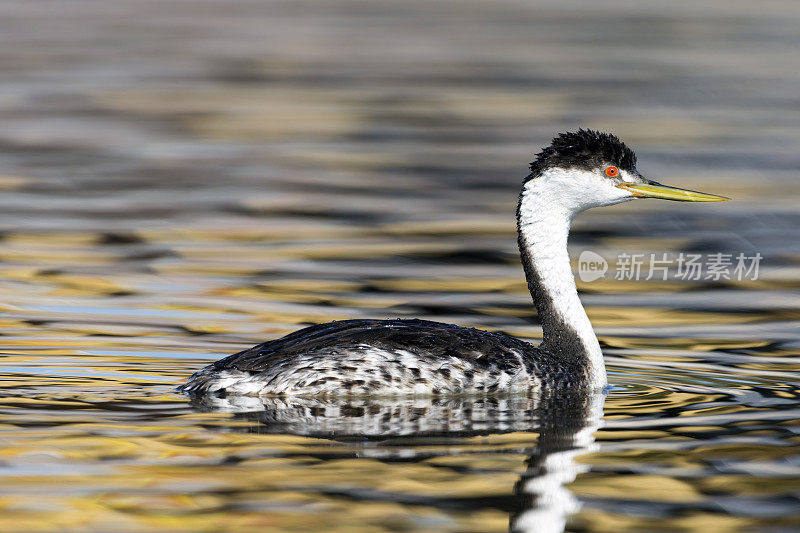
(180, 180)
(422, 430)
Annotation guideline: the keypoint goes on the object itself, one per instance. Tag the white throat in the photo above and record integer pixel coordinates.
(546, 211)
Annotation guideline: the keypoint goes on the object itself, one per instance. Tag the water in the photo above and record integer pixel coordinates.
(181, 180)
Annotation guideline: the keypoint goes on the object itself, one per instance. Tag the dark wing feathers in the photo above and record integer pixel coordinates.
(422, 337)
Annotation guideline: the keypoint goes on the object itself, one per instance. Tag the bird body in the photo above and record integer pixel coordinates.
(576, 172)
(355, 357)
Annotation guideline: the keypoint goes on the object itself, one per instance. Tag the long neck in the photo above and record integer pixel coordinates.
(543, 224)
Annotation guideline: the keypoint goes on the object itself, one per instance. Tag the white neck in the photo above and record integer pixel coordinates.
(544, 218)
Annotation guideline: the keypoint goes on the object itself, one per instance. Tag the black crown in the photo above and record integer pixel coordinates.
(584, 149)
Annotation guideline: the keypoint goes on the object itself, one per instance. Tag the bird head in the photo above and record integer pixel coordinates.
(584, 169)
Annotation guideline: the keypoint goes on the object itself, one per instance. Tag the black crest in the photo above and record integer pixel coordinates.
(585, 149)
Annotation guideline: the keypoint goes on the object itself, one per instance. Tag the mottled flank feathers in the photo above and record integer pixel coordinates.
(584, 149)
(385, 357)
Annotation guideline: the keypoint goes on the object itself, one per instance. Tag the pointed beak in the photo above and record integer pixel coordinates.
(651, 189)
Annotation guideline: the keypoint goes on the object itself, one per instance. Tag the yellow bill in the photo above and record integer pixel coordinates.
(656, 190)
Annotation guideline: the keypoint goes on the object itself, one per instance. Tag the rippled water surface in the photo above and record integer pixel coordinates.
(181, 180)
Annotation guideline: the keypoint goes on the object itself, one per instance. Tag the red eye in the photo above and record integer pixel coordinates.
(612, 172)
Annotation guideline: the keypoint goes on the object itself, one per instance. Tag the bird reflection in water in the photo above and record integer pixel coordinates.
(566, 426)
(565, 422)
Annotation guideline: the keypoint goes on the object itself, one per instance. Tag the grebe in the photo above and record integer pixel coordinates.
(578, 171)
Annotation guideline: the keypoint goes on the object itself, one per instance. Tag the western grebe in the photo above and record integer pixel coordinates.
(578, 171)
